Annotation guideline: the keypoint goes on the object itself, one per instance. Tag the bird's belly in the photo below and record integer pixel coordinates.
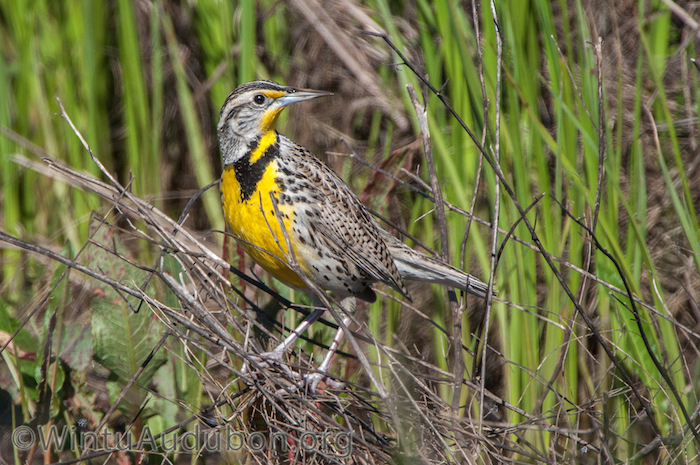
(326, 264)
(254, 224)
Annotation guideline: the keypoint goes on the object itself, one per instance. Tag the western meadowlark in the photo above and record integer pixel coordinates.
(337, 243)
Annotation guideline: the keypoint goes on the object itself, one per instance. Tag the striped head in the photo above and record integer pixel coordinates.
(251, 112)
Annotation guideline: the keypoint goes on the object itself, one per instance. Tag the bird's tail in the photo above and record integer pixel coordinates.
(415, 266)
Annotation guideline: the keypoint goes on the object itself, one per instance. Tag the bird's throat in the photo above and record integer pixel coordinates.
(268, 139)
(269, 120)
(249, 170)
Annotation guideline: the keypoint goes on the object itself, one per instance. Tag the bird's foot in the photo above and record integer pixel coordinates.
(295, 382)
(312, 380)
(267, 360)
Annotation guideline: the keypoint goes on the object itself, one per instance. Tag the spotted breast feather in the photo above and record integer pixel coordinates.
(341, 221)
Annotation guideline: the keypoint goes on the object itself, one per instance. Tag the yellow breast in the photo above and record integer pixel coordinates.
(251, 217)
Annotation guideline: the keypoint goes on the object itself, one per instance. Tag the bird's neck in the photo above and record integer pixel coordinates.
(263, 143)
(251, 170)
(253, 147)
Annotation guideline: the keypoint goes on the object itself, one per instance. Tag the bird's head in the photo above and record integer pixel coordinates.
(250, 112)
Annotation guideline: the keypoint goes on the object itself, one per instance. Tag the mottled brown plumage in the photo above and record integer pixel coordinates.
(344, 239)
(337, 242)
(339, 246)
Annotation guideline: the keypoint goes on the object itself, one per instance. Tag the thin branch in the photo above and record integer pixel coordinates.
(422, 113)
(458, 359)
(496, 209)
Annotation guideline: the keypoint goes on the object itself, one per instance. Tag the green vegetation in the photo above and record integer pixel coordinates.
(143, 82)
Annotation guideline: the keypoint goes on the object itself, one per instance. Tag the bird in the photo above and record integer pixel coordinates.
(269, 182)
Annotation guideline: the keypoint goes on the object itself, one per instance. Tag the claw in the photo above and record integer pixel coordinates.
(308, 383)
(267, 360)
(312, 380)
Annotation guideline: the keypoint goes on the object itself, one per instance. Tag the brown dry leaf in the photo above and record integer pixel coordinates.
(6, 337)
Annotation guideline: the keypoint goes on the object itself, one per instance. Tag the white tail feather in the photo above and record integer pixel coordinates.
(415, 266)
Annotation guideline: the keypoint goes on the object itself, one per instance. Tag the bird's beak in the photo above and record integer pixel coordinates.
(294, 95)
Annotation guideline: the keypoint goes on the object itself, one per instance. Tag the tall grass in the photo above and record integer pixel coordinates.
(113, 84)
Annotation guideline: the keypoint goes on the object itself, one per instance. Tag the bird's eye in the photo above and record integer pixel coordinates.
(259, 99)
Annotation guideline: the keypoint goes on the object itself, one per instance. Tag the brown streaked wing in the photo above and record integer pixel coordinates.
(345, 222)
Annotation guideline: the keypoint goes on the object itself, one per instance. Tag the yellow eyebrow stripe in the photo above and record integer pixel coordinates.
(272, 93)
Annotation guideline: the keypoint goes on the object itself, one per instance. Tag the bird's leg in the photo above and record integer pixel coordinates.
(276, 354)
(289, 341)
(314, 379)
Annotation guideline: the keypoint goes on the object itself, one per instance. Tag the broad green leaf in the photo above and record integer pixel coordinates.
(122, 339)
